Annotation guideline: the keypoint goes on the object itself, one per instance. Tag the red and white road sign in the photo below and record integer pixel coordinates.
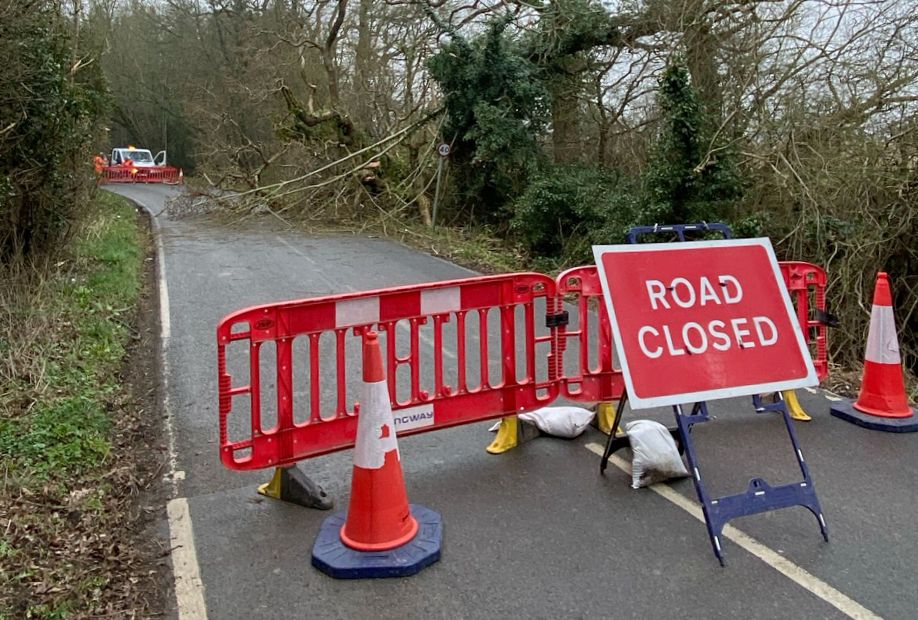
(702, 320)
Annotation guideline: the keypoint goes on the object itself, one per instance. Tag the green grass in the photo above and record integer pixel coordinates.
(65, 430)
(61, 352)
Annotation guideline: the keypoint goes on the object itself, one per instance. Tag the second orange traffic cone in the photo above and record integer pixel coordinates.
(882, 403)
(883, 387)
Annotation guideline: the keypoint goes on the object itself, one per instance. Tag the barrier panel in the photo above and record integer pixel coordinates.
(592, 376)
(494, 377)
(589, 380)
(141, 174)
(806, 284)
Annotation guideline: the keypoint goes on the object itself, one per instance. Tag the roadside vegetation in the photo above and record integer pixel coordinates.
(77, 445)
(70, 430)
(568, 121)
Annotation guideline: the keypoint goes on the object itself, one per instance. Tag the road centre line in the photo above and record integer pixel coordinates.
(331, 284)
(798, 575)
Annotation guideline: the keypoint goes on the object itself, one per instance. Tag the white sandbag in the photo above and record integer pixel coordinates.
(655, 455)
(566, 422)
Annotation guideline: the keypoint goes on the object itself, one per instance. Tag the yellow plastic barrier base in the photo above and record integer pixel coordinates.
(512, 433)
(794, 408)
(272, 489)
(605, 417)
(289, 484)
(507, 436)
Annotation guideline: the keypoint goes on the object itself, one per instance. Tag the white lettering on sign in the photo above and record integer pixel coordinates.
(696, 338)
(759, 321)
(657, 351)
(413, 417)
(692, 337)
(723, 340)
(683, 294)
(725, 282)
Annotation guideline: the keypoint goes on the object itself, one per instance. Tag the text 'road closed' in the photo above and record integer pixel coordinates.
(665, 338)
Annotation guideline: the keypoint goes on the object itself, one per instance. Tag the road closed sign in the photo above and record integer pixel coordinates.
(702, 320)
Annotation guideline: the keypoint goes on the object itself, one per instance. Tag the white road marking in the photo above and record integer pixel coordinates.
(798, 575)
(189, 589)
(173, 475)
(164, 318)
(404, 326)
(331, 284)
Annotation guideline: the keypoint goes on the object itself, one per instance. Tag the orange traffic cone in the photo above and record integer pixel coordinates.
(882, 403)
(378, 517)
(381, 536)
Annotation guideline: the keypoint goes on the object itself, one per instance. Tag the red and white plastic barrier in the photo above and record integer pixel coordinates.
(473, 378)
(141, 174)
(806, 284)
(455, 352)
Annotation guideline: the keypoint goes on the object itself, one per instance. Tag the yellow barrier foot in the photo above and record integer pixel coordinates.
(512, 433)
(289, 484)
(605, 417)
(794, 408)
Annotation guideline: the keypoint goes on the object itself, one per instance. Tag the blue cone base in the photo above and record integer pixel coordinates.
(335, 559)
(845, 410)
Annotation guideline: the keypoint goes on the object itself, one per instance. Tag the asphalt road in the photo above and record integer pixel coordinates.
(536, 532)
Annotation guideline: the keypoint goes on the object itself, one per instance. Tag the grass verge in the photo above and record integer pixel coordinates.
(68, 425)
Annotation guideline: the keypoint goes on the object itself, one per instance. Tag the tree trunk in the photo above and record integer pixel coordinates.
(565, 124)
(363, 66)
(331, 72)
(701, 59)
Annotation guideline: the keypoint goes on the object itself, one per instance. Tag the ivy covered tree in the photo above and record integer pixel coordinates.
(688, 179)
(49, 105)
(496, 107)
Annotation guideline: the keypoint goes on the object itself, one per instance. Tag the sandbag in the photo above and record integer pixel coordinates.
(656, 457)
(567, 422)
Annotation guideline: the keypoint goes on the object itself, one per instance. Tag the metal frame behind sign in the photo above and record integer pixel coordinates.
(759, 495)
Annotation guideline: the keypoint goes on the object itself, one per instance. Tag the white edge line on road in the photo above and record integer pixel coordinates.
(798, 575)
(189, 590)
(165, 335)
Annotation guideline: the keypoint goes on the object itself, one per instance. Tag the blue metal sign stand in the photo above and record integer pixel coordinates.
(759, 496)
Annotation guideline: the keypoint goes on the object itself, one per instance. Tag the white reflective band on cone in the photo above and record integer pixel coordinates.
(882, 341)
(371, 447)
